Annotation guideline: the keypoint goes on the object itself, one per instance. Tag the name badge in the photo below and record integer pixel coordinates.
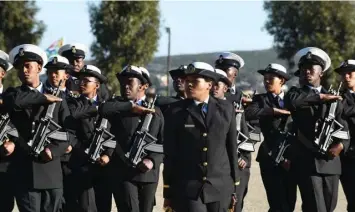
(189, 125)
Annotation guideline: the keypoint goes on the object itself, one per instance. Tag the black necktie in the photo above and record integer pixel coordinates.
(202, 107)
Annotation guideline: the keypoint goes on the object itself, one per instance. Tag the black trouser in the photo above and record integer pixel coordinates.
(103, 189)
(319, 192)
(134, 196)
(281, 190)
(79, 195)
(39, 200)
(347, 179)
(7, 192)
(189, 205)
(242, 189)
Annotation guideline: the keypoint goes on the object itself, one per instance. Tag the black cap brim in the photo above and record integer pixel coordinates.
(277, 72)
(205, 74)
(59, 66)
(70, 55)
(226, 81)
(89, 73)
(346, 69)
(177, 73)
(131, 74)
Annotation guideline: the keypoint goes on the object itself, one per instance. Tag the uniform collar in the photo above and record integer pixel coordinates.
(39, 87)
(351, 91)
(95, 98)
(315, 88)
(140, 101)
(281, 95)
(206, 101)
(1, 89)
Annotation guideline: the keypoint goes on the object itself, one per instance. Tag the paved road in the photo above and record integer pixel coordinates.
(256, 198)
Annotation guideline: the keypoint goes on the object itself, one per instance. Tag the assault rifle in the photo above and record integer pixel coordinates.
(330, 127)
(143, 141)
(285, 134)
(47, 130)
(241, 138)
(6, 130)
(101, 139)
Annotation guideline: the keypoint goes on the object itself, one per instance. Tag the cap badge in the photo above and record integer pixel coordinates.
(55, 60)
(129, 68)
(220, 60)
(268, 68)
(73, 49)
(21, 52)
(190, 68)
(309, 55)
(345, 63)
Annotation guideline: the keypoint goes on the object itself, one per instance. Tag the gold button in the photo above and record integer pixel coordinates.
(204, 178)
(204, 149)
(204, 134)
(205, 164)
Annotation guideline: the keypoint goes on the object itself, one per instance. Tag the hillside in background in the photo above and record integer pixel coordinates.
(249, 78)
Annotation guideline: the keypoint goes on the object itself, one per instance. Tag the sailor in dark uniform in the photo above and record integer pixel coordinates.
(317, 172)
(178, 76)
(232, 63)
(79, 176)
(133, 187)
(270, 110)
(58, 69)
(347, 72)
(244, 151)
(39, 179)
(7, 199)
(75, 53)
(201, 162)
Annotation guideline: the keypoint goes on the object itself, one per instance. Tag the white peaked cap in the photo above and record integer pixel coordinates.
(6, 59)
(93, 68)
(60, 59)
(221, 72)
(70, 46)
(317, 52)
(28, 48)
(231, 56)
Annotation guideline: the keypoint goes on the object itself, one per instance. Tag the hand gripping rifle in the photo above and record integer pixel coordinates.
(330, 127)
(143, 141)
(47, 130)
(283, 141)
(101, 139)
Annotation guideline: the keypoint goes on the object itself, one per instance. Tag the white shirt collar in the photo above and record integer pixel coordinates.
(1, 89)
(314, 88)
(281, 95)
(63, 89)
(206, 101)
(39, 88)
(95, 98)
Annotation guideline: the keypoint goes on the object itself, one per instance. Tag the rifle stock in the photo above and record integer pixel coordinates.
(46, 130)
(142, 140)
(330, 127)
(102, 139)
